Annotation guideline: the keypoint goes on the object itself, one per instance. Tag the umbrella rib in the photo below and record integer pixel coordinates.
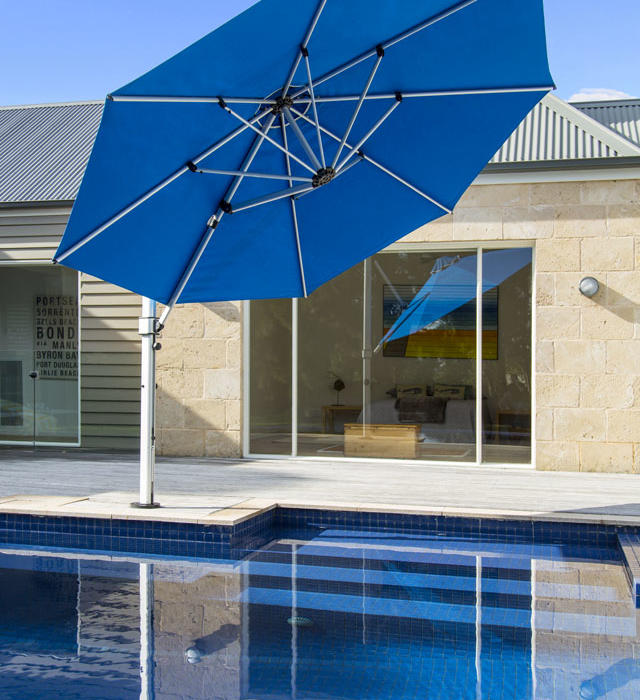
(268, 138)
(190, 98)
(369, 133)
(160, 186)
(381, 167)
(294, 213)
(314, 106)
(427, 93)
(266, 176)
(390, 42)
(319, 99)
(215, 220)
(356, 111)
(303, 46)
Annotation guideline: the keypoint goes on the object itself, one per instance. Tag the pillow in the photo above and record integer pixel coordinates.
(410, 390)
(421, 409)
(451, 391)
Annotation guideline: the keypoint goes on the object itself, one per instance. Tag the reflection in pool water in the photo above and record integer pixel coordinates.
(323, 614)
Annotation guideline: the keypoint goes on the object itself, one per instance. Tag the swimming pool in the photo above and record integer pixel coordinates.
(310, 604)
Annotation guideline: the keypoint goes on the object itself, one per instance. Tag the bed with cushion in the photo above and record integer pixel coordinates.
(440, 419)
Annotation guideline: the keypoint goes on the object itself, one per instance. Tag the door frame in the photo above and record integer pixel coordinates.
(46, 443)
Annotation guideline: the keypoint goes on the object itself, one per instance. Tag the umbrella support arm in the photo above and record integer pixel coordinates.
(356, 111)
(375, 163)
(147, 328)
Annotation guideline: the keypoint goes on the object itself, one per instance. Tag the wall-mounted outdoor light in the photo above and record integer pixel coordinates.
(589, 286)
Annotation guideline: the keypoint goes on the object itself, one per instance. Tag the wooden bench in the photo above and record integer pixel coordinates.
(390, 441)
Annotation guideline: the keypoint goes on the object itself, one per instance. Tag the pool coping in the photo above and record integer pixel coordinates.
(97, 507)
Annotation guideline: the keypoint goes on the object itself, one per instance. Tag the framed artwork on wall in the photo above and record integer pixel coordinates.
(451, 336)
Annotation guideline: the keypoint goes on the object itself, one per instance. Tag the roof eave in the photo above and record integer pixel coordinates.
(39, 203)
(569, 164)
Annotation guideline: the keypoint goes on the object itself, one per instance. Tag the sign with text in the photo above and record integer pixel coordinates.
(56, 336)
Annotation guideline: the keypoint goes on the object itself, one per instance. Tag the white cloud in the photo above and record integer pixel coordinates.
(594, 94)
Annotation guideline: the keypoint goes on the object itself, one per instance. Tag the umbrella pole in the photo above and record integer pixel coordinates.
(147, 327)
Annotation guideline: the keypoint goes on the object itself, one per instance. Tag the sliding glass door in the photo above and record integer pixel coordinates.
(39, 356)
(386, 361)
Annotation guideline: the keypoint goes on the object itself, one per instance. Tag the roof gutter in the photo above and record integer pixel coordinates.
(576, 170)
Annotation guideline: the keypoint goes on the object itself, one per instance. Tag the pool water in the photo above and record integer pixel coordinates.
(323, 613)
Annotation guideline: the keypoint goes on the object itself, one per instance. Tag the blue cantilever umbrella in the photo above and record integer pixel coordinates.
(298, 139)
(453, 283)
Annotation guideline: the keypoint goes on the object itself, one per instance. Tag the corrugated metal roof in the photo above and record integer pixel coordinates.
(622, 116)
(44, 150)
(557, 131)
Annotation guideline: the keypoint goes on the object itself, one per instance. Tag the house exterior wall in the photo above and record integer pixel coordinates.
(587, 396)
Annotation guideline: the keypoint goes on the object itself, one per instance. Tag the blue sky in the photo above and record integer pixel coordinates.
(60, 50)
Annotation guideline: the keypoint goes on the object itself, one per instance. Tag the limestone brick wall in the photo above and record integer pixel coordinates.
(199, 381)
(587, 350)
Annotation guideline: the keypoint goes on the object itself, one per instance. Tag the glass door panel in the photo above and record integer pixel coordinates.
(506, 366)
(39, 354)
(270, 383)
(330, 364)
(423, 320)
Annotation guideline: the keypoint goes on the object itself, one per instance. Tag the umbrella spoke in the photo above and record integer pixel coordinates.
(266, 176)
(390, 42)
(370, 133)
(294, 213)
(378, 165)
(272, 197)
(246, 164)
(301, 138)
(361, 99)
(314, 106)
(249, 123)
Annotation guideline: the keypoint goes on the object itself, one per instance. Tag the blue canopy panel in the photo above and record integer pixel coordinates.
(437, 144)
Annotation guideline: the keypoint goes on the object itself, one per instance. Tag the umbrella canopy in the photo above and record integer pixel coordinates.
(452, 284)
(298, 139)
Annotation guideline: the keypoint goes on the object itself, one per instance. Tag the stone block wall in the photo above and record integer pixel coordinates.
(199, 381)
(587, 350)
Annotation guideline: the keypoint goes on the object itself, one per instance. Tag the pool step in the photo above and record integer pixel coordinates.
(583, 622)
(435, 579)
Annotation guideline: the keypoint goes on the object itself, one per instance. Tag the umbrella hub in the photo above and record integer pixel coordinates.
(281, 103)
(323, 177)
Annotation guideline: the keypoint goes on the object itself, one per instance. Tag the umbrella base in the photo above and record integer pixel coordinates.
(155, 504)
